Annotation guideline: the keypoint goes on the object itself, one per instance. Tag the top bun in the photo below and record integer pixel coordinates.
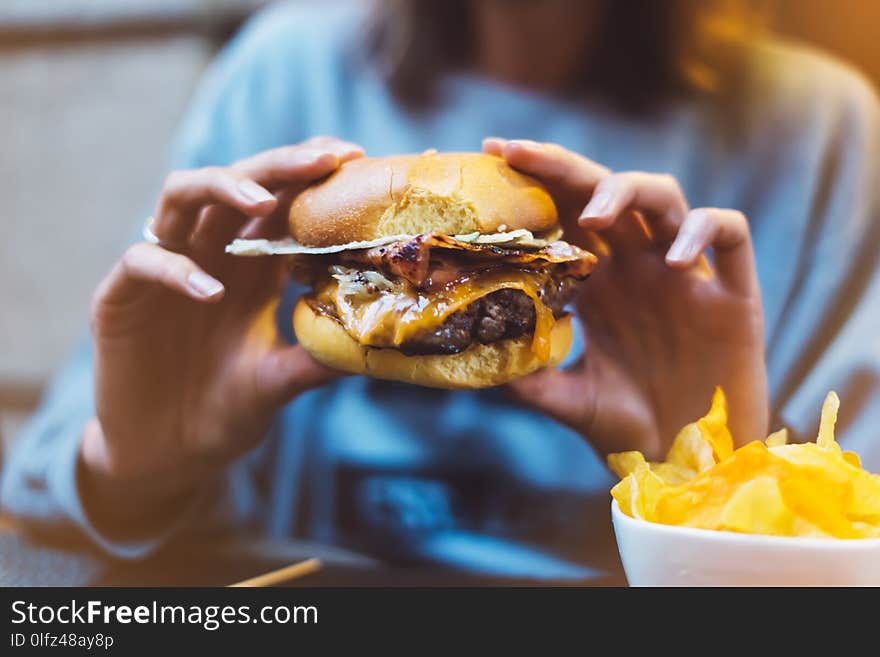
(450, 193)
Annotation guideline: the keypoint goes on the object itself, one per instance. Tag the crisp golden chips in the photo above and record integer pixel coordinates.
(770, 487)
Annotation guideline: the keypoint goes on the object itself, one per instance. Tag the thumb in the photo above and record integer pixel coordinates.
(567, 396)
(288, 371)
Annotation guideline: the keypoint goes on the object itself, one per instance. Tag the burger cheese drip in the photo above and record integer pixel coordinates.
(382, 313)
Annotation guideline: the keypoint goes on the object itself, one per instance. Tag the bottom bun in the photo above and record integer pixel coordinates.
(478, 366)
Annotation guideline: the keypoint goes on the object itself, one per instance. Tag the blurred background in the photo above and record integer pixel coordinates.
(90, 94)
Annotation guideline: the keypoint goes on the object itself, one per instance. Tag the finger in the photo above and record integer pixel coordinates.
(335, 145)
(549, 162)
(186, 192)
(564, 395)
(494, 146)
(294, 166)
(267, 228)
(151, 264)
(727, 232)
(220, 225)
(299, 164)
(217, 226)
(275, 225)
(658, 197)
(288, 371)
(628, 234)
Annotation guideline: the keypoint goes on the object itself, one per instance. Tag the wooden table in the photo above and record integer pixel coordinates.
(25, 561)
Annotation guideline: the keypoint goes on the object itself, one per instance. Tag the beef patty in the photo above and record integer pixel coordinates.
(502, 315)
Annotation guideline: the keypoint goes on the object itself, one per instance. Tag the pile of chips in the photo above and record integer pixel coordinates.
(770, 487)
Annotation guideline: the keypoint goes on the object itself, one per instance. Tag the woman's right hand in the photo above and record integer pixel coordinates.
(189, 369)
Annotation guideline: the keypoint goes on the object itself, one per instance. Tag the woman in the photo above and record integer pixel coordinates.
(186, 412)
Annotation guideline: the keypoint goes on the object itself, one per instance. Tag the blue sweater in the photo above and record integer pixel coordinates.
(465, 478)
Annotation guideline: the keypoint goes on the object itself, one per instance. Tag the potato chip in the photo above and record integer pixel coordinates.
(770, 487)
(646, 490)
(622, 492)
(624, 463)
(827, 421)
(853, 459)
(672, 473)
(868, 529)
(637, 492)
(819, 498)
(691, 451)
(777, 438)
(701, 501)
(714, 427)
(835, 466)
(866, 498)
(757, 507)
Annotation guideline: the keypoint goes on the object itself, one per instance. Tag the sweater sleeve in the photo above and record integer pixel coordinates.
(828, 337)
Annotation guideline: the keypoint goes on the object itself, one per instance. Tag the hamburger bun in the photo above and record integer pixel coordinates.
(478, 366)
(450, 193)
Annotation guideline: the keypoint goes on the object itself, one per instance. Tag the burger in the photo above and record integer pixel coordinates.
(442, 270)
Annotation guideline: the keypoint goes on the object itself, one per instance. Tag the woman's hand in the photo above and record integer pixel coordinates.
(189, 369)
(662, 326)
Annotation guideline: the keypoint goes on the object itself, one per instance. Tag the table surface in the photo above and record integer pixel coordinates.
(26, 561)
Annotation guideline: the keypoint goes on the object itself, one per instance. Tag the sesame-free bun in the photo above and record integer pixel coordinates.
(451, 193)
(478, 366)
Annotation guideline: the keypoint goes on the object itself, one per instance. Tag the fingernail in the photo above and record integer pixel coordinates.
(324, 158)
(524, 143)
(345, 148)
(598, 206)
(204, 285)
(254, 192)
(681, 250)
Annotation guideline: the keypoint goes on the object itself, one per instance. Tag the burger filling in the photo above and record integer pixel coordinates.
(423, 297)
(501, 315)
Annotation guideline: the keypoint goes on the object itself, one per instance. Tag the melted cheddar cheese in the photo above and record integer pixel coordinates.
(390, 318)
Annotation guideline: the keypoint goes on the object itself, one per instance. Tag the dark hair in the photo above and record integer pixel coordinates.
(648, 51)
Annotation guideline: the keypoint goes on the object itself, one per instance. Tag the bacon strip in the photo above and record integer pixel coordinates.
(416, 259)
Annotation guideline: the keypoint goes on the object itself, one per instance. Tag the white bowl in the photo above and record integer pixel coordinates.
(662, 555)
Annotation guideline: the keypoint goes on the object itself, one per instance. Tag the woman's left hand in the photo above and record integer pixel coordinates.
(662, 326)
